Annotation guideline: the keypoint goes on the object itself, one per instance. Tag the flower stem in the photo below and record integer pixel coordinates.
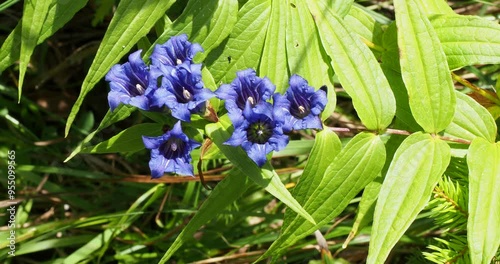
(397, 132)
(372, 45)
(476, 89)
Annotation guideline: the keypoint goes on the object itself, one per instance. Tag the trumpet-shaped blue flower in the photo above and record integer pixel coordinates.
(171, 152)
(247, 87)
(258, 134)
(181, 89)
(300, 106)
(175, 51)
(129, 83)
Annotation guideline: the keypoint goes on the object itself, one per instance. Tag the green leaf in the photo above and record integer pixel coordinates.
(34, 15)
(468, 40)
(351, 170)
(59, 13)
(205, 22)
(414, 172)
(357, 69)
(483, 230)
(244, 46)
(435, 7)
(225, 193)
(120, 113)
(424, 67)
(128, 140)
(471, 120)
(273, 63)
(295, 148)
(326, 147)
(132, 21)
(364, 25)
(366, 207)
(304, 54)
(341, 7)
(265, 177)
(404, 117)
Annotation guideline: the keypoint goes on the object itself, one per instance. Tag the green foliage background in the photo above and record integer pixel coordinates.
(407, 169)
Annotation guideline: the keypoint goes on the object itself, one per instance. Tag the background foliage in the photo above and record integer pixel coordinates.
(406, 170)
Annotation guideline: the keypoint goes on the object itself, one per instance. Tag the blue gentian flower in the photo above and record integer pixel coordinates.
(258, 134)
(171, 152)
(129, 83)
(181, 89)
(175, 51)
(300, 106)
(246, 87)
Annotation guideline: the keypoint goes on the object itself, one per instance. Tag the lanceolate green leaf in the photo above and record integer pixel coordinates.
(366, 208)
(225, 193)
(303, 50)
(424, 67)
(58, 14)
(471, 120)
(415, 170)
(364, 25)
(357, 69)
(341, 7)
(352, 169)
(326, 147)
(265, 177)
(273, 61)
(468, 40)
(34, 15)
(435, 7)
(128, 140)
(244, 46)
(483, 229)
(132, 21)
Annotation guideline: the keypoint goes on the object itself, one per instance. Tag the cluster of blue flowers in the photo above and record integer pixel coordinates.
(173, 81)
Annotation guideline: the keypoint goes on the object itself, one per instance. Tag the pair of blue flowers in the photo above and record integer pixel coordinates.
(174, 82)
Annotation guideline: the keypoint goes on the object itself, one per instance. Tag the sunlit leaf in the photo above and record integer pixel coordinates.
(471, 120)
(273, 63)
(468, 40)
(244, 46)
(359, 162)
(34, 15)
(415, 170)
(326, 147)
(483, 229)
(424, 67)
(435, 7)
(357, 69)
(364, 25)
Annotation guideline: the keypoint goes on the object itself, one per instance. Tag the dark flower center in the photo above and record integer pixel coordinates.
(259, 132)
(139, 90)
(173, 148)
(183, 94)
(248, 94)
(300, 106)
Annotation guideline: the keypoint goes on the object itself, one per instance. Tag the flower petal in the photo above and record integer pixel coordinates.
(158, 164)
